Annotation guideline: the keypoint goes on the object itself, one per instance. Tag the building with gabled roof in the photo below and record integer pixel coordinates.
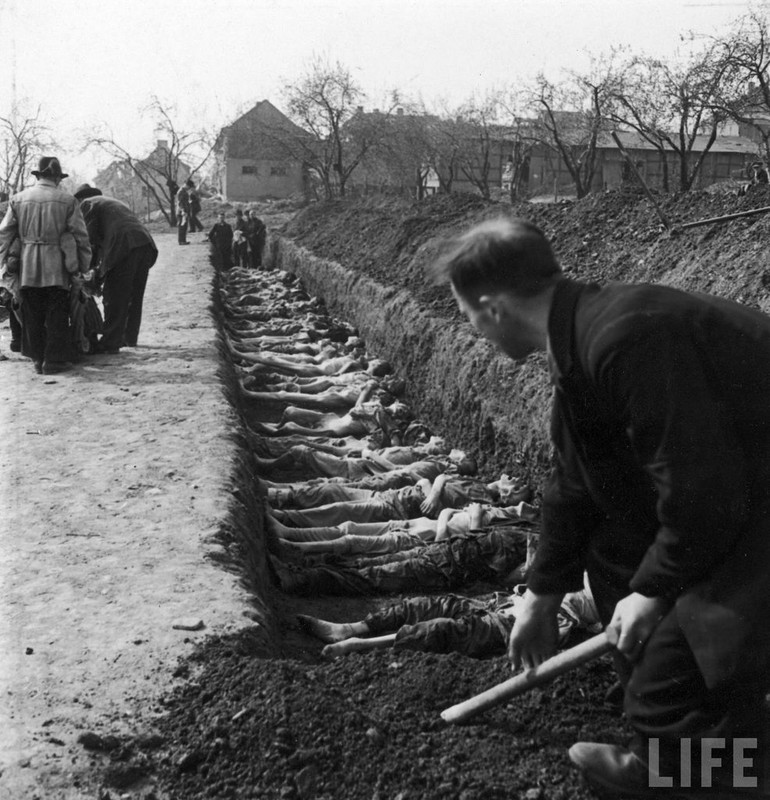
(257, 156)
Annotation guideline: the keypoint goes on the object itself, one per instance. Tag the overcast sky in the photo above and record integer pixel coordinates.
(95, 62)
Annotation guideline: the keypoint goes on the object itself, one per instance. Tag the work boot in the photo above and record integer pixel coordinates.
(55, 367)
(617, 771)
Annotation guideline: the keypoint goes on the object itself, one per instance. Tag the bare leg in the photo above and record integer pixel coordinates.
(357, 645)
(331, 632)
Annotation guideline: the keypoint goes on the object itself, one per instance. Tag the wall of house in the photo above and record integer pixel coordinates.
(547, 176)
(263, 182)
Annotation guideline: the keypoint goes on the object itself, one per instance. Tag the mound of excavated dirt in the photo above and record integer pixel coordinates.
(369, 726)
(611, 236)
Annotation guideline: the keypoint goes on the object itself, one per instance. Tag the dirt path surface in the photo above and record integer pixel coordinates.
(113, 482)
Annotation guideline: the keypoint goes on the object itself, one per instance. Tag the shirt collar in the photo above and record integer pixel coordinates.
(561, 327)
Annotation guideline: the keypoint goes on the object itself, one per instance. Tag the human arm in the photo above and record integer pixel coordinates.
(366, 393)
(9, 230)
(93, 230)
(535, 634)
(442, 526)
(635, 617)
(432, 503)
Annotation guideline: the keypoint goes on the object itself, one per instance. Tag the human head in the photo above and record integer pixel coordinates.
(510, 490)
(85, 190)
(503, 254)
(502, 274)
(50, 168)
(464, 464)
(221, 216)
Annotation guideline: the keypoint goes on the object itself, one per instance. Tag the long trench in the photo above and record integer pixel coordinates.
(442, 364)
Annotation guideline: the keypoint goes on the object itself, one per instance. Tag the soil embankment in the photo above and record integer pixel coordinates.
(370, 262)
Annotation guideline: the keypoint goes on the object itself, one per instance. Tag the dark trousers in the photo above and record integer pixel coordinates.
(443, 624)
(15, 323)
(123, 296)
(255, 255)
(181, 229)
(666, 697)
(195, 223)
(45, 323)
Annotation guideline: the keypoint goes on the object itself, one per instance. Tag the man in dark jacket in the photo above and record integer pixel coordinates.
(182, 214)
(195, 206)
(661, 424)
(221, 238)
(124, 251)
(256, 234)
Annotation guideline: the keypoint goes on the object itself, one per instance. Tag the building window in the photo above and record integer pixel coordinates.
(279, 171)
(248, 169)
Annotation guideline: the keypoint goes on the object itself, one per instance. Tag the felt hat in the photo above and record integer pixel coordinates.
(49, 167)
(85, 190)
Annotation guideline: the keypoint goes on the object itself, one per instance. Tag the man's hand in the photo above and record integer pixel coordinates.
(634, 619)
(535, 635)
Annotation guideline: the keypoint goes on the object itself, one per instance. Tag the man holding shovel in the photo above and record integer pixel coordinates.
(661, 426)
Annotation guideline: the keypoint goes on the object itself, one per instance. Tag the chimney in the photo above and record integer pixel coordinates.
(360, 109)
(400, 111)
(162, 144)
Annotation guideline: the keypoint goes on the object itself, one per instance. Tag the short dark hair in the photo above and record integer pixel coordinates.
(507, 253)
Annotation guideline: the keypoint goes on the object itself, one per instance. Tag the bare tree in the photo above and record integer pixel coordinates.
(23, 137)
(747, 98)
(401, 156)
(182, 155)
(571, 116)
(673, 106)
(479, 135)
(328, 103)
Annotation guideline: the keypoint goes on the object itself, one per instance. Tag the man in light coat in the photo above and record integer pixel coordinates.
(39, 217)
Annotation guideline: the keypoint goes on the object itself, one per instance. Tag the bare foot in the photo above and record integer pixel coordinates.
(331, 632)
(275, 526)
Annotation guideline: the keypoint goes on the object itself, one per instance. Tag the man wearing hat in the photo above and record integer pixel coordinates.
(39, 217)
(124, 251)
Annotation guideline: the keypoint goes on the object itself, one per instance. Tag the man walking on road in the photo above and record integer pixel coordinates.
(124, 251)
(39, 217)
(661, 426)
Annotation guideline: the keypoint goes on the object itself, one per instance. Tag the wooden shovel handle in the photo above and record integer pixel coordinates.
(562, 662)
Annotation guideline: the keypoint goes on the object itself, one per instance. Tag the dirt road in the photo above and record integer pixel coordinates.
(113, 480)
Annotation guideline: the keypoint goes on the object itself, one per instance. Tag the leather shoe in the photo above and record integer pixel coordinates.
(55, 367)
(100, 348)
(617, 770)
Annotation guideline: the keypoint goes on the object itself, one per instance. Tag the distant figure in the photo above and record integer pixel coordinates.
(195, 206)
(759, 173)
(182, 214)
(240, 245)
(221, 238)
(256, 234)
(39, 217)
(124, 252)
